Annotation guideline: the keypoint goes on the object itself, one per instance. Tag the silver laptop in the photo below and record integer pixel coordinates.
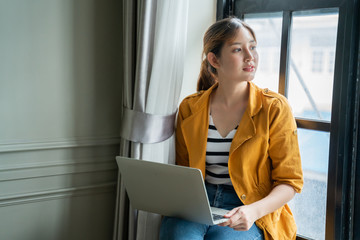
(168, 190)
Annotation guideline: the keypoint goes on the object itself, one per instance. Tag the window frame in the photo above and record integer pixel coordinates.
(342, 211)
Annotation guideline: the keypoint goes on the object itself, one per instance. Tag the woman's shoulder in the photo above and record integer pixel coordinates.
(188, 102)
(270, 97)
(272, 100)
(194, 95)
(267, 92)
(192, 98)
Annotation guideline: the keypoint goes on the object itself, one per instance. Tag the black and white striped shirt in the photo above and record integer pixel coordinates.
(217, 155)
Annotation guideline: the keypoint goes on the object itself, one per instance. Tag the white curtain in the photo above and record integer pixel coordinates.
(168, 66)
(160, 33)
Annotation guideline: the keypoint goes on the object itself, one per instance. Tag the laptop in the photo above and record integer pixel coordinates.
(169, 190)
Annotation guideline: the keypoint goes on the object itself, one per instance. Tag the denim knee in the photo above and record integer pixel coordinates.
(179, 229)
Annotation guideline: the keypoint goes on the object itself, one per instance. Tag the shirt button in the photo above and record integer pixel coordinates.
(266, 90)
(243, 197)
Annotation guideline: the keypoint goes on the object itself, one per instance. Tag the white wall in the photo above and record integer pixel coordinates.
(59, 118)
(202, 13)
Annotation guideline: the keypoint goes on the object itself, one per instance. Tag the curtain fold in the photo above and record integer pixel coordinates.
(154, 51)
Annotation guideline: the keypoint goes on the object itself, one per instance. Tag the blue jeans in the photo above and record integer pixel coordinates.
(221, 196)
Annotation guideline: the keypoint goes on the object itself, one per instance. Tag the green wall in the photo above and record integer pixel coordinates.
(60, 97)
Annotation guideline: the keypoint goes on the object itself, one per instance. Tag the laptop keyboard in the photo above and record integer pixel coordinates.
(217, 216)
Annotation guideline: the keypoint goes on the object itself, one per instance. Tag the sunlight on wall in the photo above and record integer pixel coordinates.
(198, 22)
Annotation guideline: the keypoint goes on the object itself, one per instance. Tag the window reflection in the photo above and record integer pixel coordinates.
(313, 41)
(317, 61)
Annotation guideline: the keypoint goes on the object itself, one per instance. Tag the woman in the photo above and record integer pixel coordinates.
(242, 138)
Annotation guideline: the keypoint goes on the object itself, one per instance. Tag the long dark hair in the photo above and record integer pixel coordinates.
(214, 39)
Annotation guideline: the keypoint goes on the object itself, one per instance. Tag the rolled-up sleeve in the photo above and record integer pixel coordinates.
(284, 147)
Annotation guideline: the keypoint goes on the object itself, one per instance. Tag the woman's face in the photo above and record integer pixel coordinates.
(238, 59)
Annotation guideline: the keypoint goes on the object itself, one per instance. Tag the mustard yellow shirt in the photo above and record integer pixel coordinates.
(263, 154)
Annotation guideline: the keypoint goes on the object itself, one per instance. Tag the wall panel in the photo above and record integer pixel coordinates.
(60, 98)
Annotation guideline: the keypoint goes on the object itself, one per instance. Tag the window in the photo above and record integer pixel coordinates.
(310, 88)
(268, 35)
(318, 43)
(317, 61)
(310, 97)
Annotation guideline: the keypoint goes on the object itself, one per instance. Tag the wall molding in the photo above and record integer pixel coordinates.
(45, 144)
(47, 169)
(57, 194)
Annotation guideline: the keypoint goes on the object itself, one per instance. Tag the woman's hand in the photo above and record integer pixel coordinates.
(241, 218)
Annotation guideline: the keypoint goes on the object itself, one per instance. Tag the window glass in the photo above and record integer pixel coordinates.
(313, 41)
(317, 61)
(311, 203)
(267, 28)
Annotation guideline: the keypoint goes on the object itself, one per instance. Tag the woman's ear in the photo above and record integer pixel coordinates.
(212, 59)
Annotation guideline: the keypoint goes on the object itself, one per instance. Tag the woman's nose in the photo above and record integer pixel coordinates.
(248, 56)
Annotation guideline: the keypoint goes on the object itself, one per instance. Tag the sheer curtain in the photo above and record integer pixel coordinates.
(153, 72)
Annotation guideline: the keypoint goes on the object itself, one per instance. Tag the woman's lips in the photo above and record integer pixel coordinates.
(249, 69)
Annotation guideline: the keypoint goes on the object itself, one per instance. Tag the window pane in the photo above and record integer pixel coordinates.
(309, 207)
(313, 41)
(267, 28)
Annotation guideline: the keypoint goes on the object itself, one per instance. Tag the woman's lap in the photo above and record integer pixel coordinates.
(179, 229)
(219, 196)
(216, 232)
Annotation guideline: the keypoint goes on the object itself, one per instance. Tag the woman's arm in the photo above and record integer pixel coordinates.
(286, 174)
(242, 218)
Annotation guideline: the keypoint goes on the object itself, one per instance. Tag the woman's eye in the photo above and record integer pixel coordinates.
(253, 47)
(237, 50)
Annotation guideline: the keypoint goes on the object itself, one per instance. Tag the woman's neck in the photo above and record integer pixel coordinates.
(229, 94)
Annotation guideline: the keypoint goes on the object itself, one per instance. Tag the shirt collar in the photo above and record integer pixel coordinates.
(255, 102)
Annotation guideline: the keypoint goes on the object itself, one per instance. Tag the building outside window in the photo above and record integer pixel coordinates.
(317, 61)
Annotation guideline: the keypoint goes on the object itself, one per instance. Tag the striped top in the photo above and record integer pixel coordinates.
(217, 155)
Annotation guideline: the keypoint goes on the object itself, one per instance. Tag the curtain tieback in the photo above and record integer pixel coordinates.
(146, 128)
